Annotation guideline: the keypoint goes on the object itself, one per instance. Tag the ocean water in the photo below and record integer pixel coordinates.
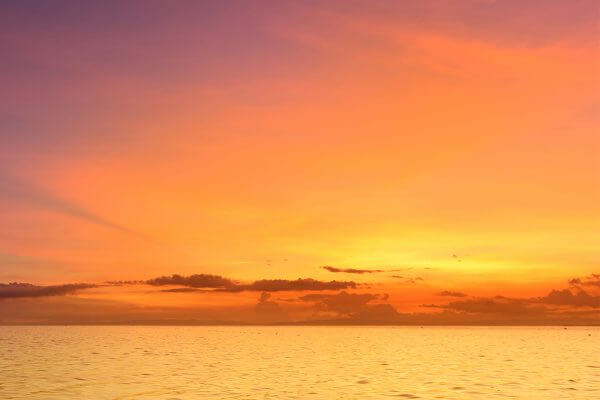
(145, 362)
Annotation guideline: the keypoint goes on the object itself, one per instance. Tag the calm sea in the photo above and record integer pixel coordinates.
(143, 362)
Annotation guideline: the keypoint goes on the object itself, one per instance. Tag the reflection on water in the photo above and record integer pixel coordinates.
(299, 363)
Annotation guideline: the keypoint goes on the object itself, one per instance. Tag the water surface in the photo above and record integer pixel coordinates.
(143, 362)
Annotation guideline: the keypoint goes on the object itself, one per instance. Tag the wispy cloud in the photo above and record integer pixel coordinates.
(408, 280)
(26, 193)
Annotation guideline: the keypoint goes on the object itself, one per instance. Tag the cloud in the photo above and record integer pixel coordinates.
(567, 306)
(591, 280)
(181, 290)
(352, 270)
(353, 308)
(376, 314)
(192, 281)
(566, 297)
(495, 305)
(268, 310)
(342, 302)
(123, 283)
(222, 284)
(29, 194)
(279, 285)
(47, 305)
(18, 290)
(500, 305)
(451, 294)
(407, 279)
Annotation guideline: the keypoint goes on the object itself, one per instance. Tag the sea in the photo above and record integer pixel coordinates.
(298, 362)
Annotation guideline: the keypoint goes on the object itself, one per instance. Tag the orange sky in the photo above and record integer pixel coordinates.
(455, 142)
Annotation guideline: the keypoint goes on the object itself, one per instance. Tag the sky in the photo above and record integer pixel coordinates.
(431, 162)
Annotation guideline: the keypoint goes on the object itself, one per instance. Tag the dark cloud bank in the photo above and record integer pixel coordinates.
(221, 284)
(197, 282)
(572, 306)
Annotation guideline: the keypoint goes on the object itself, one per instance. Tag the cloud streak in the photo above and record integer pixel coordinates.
(351, 270)
(193, 281)
(19, 290)
(26, 193)
(280, 285)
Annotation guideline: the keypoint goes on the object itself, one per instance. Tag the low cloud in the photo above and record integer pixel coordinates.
(495, 305)
(124, 283)
(19, 290)
(505, 306)
(354, 308)
(194, 281)
(280, 285)
(342, 303)
(450, 293)
(352, 270)
(591, 280)
(376, 314)
(566, 306)
(268, 310)
(566, 297)
(181, 290)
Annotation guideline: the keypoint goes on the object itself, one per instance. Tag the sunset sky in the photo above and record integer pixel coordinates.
(426, 156)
